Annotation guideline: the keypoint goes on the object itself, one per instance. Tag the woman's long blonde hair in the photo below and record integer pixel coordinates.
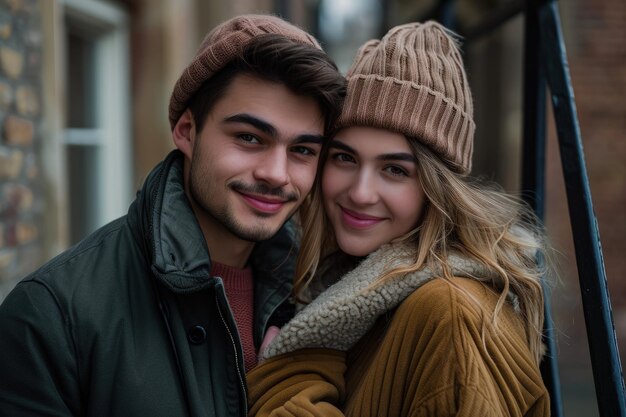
(461, 216)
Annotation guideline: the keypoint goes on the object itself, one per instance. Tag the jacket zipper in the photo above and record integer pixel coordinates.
(232, 340)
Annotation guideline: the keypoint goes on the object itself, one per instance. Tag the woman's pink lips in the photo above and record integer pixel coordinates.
(358, 220)
(263, 204)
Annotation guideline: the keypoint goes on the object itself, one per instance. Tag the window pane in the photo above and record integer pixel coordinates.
(80, 81)
(82, 168)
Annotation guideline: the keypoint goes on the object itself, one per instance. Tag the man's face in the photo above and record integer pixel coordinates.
(254, 161)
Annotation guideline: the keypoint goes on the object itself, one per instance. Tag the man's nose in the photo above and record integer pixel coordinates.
(273, 168)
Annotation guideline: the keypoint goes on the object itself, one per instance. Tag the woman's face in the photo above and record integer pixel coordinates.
(370, 188)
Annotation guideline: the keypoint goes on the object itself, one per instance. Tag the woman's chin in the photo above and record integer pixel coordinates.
(358, 248)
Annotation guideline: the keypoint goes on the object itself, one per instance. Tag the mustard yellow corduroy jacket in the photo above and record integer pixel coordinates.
(435, 353)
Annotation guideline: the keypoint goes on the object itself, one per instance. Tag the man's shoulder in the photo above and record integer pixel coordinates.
(88, 250)
(101, 257)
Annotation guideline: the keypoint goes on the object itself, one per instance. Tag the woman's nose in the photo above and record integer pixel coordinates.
(363, 190)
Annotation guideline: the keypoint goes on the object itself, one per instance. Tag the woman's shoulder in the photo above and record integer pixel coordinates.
(441, 292)
(460, 299)
(459, 313)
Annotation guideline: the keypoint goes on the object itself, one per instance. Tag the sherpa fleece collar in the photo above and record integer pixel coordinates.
(345, 312)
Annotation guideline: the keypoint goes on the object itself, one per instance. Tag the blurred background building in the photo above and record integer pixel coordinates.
(84, 90)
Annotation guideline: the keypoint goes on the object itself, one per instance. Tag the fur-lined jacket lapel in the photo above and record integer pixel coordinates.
(344, 313)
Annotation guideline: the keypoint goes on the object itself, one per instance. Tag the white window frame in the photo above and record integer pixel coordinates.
(112, 131)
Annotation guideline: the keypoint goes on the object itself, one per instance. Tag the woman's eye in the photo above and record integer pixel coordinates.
(248, 138)
(396, 171)
(343, 157)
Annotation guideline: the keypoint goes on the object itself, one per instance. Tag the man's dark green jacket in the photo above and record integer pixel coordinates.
(129, 322)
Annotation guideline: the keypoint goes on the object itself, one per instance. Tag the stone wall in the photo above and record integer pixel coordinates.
(21, 213)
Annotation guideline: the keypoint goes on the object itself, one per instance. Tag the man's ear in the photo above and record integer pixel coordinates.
(184, 133)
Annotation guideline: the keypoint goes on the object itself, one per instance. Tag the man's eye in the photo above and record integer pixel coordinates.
(303, 150)
(248, 138)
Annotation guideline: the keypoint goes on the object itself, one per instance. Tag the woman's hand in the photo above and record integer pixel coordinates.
(271, 333)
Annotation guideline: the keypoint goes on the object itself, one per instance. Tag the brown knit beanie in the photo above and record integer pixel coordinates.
(413, 82)
(223, 44)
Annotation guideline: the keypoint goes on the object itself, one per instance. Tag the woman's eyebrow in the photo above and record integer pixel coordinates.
(394, 156)
(335, 143)
(399, 156)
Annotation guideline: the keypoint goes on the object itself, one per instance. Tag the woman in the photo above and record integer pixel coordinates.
(420, 287)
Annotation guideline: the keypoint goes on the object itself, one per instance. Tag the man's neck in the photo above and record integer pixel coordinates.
(224, 247)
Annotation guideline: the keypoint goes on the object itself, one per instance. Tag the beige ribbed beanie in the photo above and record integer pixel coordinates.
(412, 81)
(223, 44)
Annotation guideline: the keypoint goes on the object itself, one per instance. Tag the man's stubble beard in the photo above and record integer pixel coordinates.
(200, 193)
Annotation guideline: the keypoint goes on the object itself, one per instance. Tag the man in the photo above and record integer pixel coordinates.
(160, 313)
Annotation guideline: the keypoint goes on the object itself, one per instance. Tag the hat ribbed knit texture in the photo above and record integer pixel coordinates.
(412, 81)
(223, 44)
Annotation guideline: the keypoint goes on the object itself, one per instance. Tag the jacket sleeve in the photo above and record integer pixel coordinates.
(38, 375)
(307, 382)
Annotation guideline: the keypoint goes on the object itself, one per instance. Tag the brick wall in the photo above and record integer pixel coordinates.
(20, 124)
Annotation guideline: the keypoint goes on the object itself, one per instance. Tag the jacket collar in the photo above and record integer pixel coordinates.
(173, 239)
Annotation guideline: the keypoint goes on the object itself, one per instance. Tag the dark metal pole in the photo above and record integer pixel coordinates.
(494, 20)
(607, 371)
(282, 9)
(533, 179)
(384, 23)
(442, 11)
(534, 155)
(445, 14)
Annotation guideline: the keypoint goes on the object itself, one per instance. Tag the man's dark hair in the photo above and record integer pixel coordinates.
(303, 69)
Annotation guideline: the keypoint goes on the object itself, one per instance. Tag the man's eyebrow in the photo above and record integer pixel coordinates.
(259, 124)
(309, 138)
(269, 129)
(395, 156)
